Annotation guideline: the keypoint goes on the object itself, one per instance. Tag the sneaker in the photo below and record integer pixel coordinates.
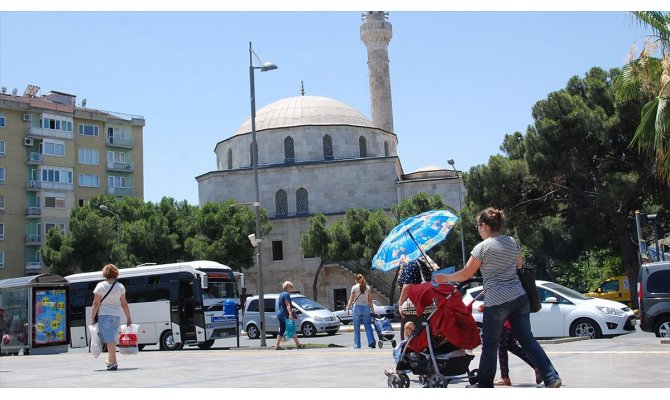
(555, 384)
(112, 367)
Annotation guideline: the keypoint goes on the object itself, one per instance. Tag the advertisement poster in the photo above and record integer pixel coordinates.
(50, 316)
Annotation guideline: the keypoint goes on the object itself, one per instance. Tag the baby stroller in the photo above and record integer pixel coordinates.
(439, 349)
(385, 331)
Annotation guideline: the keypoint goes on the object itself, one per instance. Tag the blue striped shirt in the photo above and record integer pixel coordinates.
(498, 256)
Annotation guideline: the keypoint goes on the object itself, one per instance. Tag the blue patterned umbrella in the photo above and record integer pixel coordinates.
(412, 238)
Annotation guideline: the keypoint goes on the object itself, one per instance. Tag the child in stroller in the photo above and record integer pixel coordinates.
(385, 331)
(439, 349)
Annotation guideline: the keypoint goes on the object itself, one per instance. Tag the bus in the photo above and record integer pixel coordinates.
(175, 304)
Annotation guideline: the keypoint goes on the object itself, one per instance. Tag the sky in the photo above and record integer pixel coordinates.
(460, 80)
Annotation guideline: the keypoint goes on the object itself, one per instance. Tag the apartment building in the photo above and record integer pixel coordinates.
(54, 156)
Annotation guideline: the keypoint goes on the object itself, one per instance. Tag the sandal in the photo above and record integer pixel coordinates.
(279, 348)
(502, 382)
(301, 346)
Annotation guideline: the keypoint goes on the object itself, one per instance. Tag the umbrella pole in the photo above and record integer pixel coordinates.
(417, 245)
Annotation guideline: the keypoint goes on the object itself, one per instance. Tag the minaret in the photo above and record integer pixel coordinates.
(376, 34)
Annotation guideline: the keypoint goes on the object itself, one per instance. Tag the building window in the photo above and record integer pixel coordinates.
(53, 148)
(57, 124)
(386, 149)
(281, 203)
(2, 201)
(89, 130)
(327, 147)
(2, 175)
(277, 250)
(363, 146)
(230, 158)
(2, 147)
(82, 202)
(48, 226)
(2, 259)
(89, 156)
(88, 180)
(51, 201)
(117, 182)
(57, 175)
(2, 231)
(301, 201)
(289, 150)
(3, 121)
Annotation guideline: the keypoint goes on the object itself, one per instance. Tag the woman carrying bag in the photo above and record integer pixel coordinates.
(109, 310)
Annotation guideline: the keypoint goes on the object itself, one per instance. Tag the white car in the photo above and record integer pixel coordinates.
(380, 311)
(566, 312)
(345, 318)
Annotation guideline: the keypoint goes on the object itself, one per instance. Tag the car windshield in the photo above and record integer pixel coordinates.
(567, 292)
(307, 304)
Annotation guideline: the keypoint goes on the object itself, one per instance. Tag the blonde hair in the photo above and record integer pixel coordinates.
(286, 285)
(110, 271)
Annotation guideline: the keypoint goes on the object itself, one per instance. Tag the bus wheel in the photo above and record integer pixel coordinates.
(206, 344)
(168, 343)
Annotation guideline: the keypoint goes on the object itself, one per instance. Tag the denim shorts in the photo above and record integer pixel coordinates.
(108, 327)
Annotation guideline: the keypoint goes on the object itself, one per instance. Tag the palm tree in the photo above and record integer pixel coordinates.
(646, 78)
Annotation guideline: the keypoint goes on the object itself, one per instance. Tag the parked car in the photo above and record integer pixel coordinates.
(383, 310)
(566, 312)
(312, 317)
(345, 318)
(653, 293)
(615, 288)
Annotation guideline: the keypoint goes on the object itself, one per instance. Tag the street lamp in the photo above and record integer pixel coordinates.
(118, 222)
(460, 208)
(257, 238)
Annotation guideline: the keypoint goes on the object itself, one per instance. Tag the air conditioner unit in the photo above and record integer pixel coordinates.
(27, 117)
(28, 141)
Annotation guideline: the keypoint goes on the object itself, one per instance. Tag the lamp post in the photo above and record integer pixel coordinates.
(118, 222)
(460, 209)
(257, 238)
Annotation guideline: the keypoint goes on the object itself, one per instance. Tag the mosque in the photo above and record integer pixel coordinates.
(319, 155)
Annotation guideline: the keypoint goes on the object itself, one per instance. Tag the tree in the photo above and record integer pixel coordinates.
(646, 78)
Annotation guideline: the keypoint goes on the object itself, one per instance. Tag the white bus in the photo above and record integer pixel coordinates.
(174, 304)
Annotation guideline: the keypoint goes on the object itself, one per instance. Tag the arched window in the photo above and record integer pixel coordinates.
(301, 201)
(386, 149)
(363, 146)
(230, 158)
(281, 203)
(327, 147)
(289, 151)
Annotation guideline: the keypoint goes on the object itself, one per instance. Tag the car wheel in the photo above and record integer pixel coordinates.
(308, 329)
(585, 327)
(253, 332)
(662, 328)
(168, 343)
(206, 344)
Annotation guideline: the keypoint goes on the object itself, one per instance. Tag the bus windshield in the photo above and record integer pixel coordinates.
(220, 285)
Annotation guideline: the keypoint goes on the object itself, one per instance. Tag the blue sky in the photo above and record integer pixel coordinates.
(460, 80)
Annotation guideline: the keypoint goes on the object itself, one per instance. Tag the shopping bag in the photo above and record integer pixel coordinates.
(290, 328)
(94, 344)
(128, 339)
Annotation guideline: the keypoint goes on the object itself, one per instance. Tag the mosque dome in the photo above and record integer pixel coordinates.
(305, 110)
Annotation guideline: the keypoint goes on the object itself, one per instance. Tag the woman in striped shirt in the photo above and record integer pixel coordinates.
(498, 257)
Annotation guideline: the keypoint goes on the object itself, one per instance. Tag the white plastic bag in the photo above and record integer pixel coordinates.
(94, 344)
(128, 339)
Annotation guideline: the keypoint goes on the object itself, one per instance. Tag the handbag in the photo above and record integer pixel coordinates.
(290, 328)
(95, 317)
(527, 277)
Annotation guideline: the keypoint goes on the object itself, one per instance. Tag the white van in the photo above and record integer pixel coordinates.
(312, 317)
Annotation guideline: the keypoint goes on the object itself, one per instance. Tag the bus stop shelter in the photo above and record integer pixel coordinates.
(36, 317)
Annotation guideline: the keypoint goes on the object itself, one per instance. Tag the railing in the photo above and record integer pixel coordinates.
(372, 277)
(121, 191)
(51, 133)
(121, 166)
(32, 267)
(119, 141)
(34, 185)
(33, 238)
(35, 158)
(33, 212)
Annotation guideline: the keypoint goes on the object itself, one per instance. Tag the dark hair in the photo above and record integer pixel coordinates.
(361, 282)
(492, 217)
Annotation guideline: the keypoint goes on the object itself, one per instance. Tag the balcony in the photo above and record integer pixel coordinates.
(35, 158)
(34, 185)
(69, 187)
(49, 133)
(119, 141)
(120, 166)
(33, 212)
(121, 191)
(33, 267)
(33, 239)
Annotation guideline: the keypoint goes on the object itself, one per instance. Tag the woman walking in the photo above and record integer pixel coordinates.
(361, 299)
(498, 257)
(108, 303)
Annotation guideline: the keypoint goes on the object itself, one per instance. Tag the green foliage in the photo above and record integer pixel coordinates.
(590, 269)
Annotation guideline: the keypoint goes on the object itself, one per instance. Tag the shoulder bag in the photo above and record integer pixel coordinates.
(95, 317)
(527, 277)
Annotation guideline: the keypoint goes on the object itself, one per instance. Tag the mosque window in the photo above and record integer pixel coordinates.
(301, 201)
(281, 203)
(327, 147)
(230, 158)
(289, 150)
(386, 149)
(363, 146)
(277, 250)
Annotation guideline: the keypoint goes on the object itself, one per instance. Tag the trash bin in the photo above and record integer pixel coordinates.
(230, 308)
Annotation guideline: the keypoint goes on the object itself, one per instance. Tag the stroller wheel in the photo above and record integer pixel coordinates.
(473, 376)
(393, 381)
(423, 380)
(437, 381)
(392, 343)
(404, 380)
(380, 344)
